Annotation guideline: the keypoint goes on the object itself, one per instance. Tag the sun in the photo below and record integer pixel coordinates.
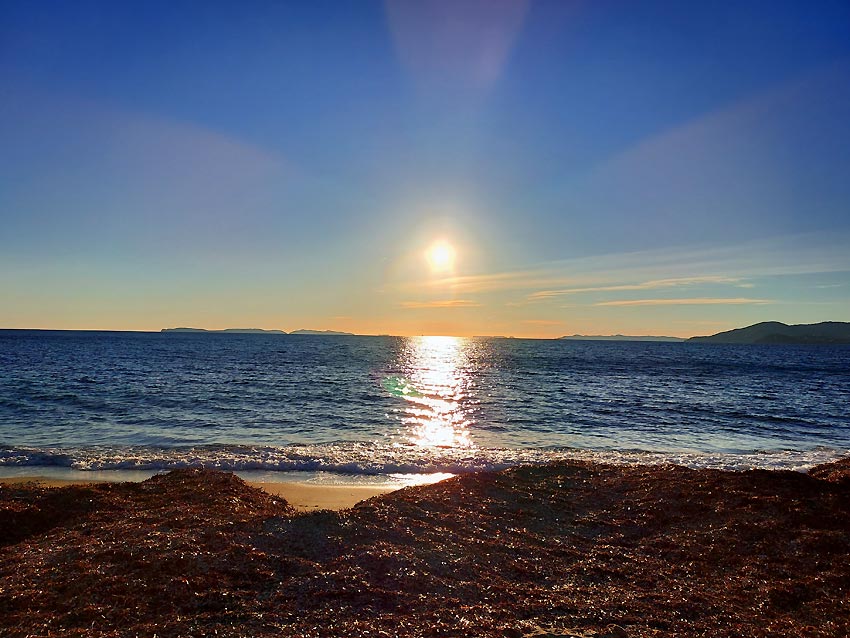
(441, 256)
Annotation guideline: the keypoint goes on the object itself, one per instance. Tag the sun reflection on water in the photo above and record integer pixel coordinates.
(435, 387)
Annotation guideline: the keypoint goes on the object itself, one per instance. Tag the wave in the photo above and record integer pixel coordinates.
(386, 459)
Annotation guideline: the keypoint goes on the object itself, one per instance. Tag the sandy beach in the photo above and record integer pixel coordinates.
(301, 496)
(568, 549)
(304, 497)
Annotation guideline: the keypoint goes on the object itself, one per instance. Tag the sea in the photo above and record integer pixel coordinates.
(407, 410)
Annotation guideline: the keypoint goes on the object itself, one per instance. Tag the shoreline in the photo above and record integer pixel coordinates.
(304, 497)
(571, 548)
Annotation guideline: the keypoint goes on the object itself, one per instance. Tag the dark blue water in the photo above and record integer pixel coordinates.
(94, 400)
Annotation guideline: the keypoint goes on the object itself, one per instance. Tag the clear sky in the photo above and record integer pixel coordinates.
(600, 167)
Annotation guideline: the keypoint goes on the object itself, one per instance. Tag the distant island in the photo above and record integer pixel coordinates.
(228, 330)
(618, 338)
(827, 332)
(322, 332)
(260, 331)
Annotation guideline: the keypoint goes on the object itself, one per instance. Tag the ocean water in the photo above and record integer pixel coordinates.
(392, 407)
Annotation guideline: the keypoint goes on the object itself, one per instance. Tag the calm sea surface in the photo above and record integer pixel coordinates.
(380, 406)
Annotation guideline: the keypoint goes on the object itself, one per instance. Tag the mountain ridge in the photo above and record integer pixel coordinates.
(302, 331)
(776, 332)
(225, 330)
(328, 333)
(619, 337)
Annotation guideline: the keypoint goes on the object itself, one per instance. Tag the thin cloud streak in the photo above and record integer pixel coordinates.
(441, 303)
(700, 301)
(779, 256)
(543, 322)
(496, 282)
(646, 285)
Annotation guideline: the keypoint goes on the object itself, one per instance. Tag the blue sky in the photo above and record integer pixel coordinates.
(598, 167)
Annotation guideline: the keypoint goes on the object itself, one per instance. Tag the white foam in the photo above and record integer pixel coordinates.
(385, 460)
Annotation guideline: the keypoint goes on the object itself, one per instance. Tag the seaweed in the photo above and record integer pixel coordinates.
(568, 549)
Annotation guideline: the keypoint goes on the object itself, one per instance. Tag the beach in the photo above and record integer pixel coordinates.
(570, 548)
(301, 496)
(411, 319)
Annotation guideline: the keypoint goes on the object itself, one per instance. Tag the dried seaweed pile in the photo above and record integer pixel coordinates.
(573, 548)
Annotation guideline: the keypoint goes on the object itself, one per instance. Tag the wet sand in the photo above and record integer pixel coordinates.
(565, 549)
(301, 496)
(305, 497)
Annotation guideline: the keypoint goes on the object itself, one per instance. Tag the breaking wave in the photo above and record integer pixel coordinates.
(376, 459)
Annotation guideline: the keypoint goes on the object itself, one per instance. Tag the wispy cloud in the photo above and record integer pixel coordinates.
(646, 285)
(516, 280)
(699, 301)
(645, 270)
(544, 322)
(703, 271)
(441, 303)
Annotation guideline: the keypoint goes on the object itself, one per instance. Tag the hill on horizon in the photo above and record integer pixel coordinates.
(227, 330)
(332, 333)
(826, 332)
(260, 331)
(620, 338)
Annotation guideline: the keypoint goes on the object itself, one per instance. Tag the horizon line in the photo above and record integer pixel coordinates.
(294, 333)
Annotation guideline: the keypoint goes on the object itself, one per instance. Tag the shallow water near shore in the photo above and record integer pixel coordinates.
(376, 409)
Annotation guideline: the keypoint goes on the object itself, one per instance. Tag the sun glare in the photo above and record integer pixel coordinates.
(441, 256)
(436, 391)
